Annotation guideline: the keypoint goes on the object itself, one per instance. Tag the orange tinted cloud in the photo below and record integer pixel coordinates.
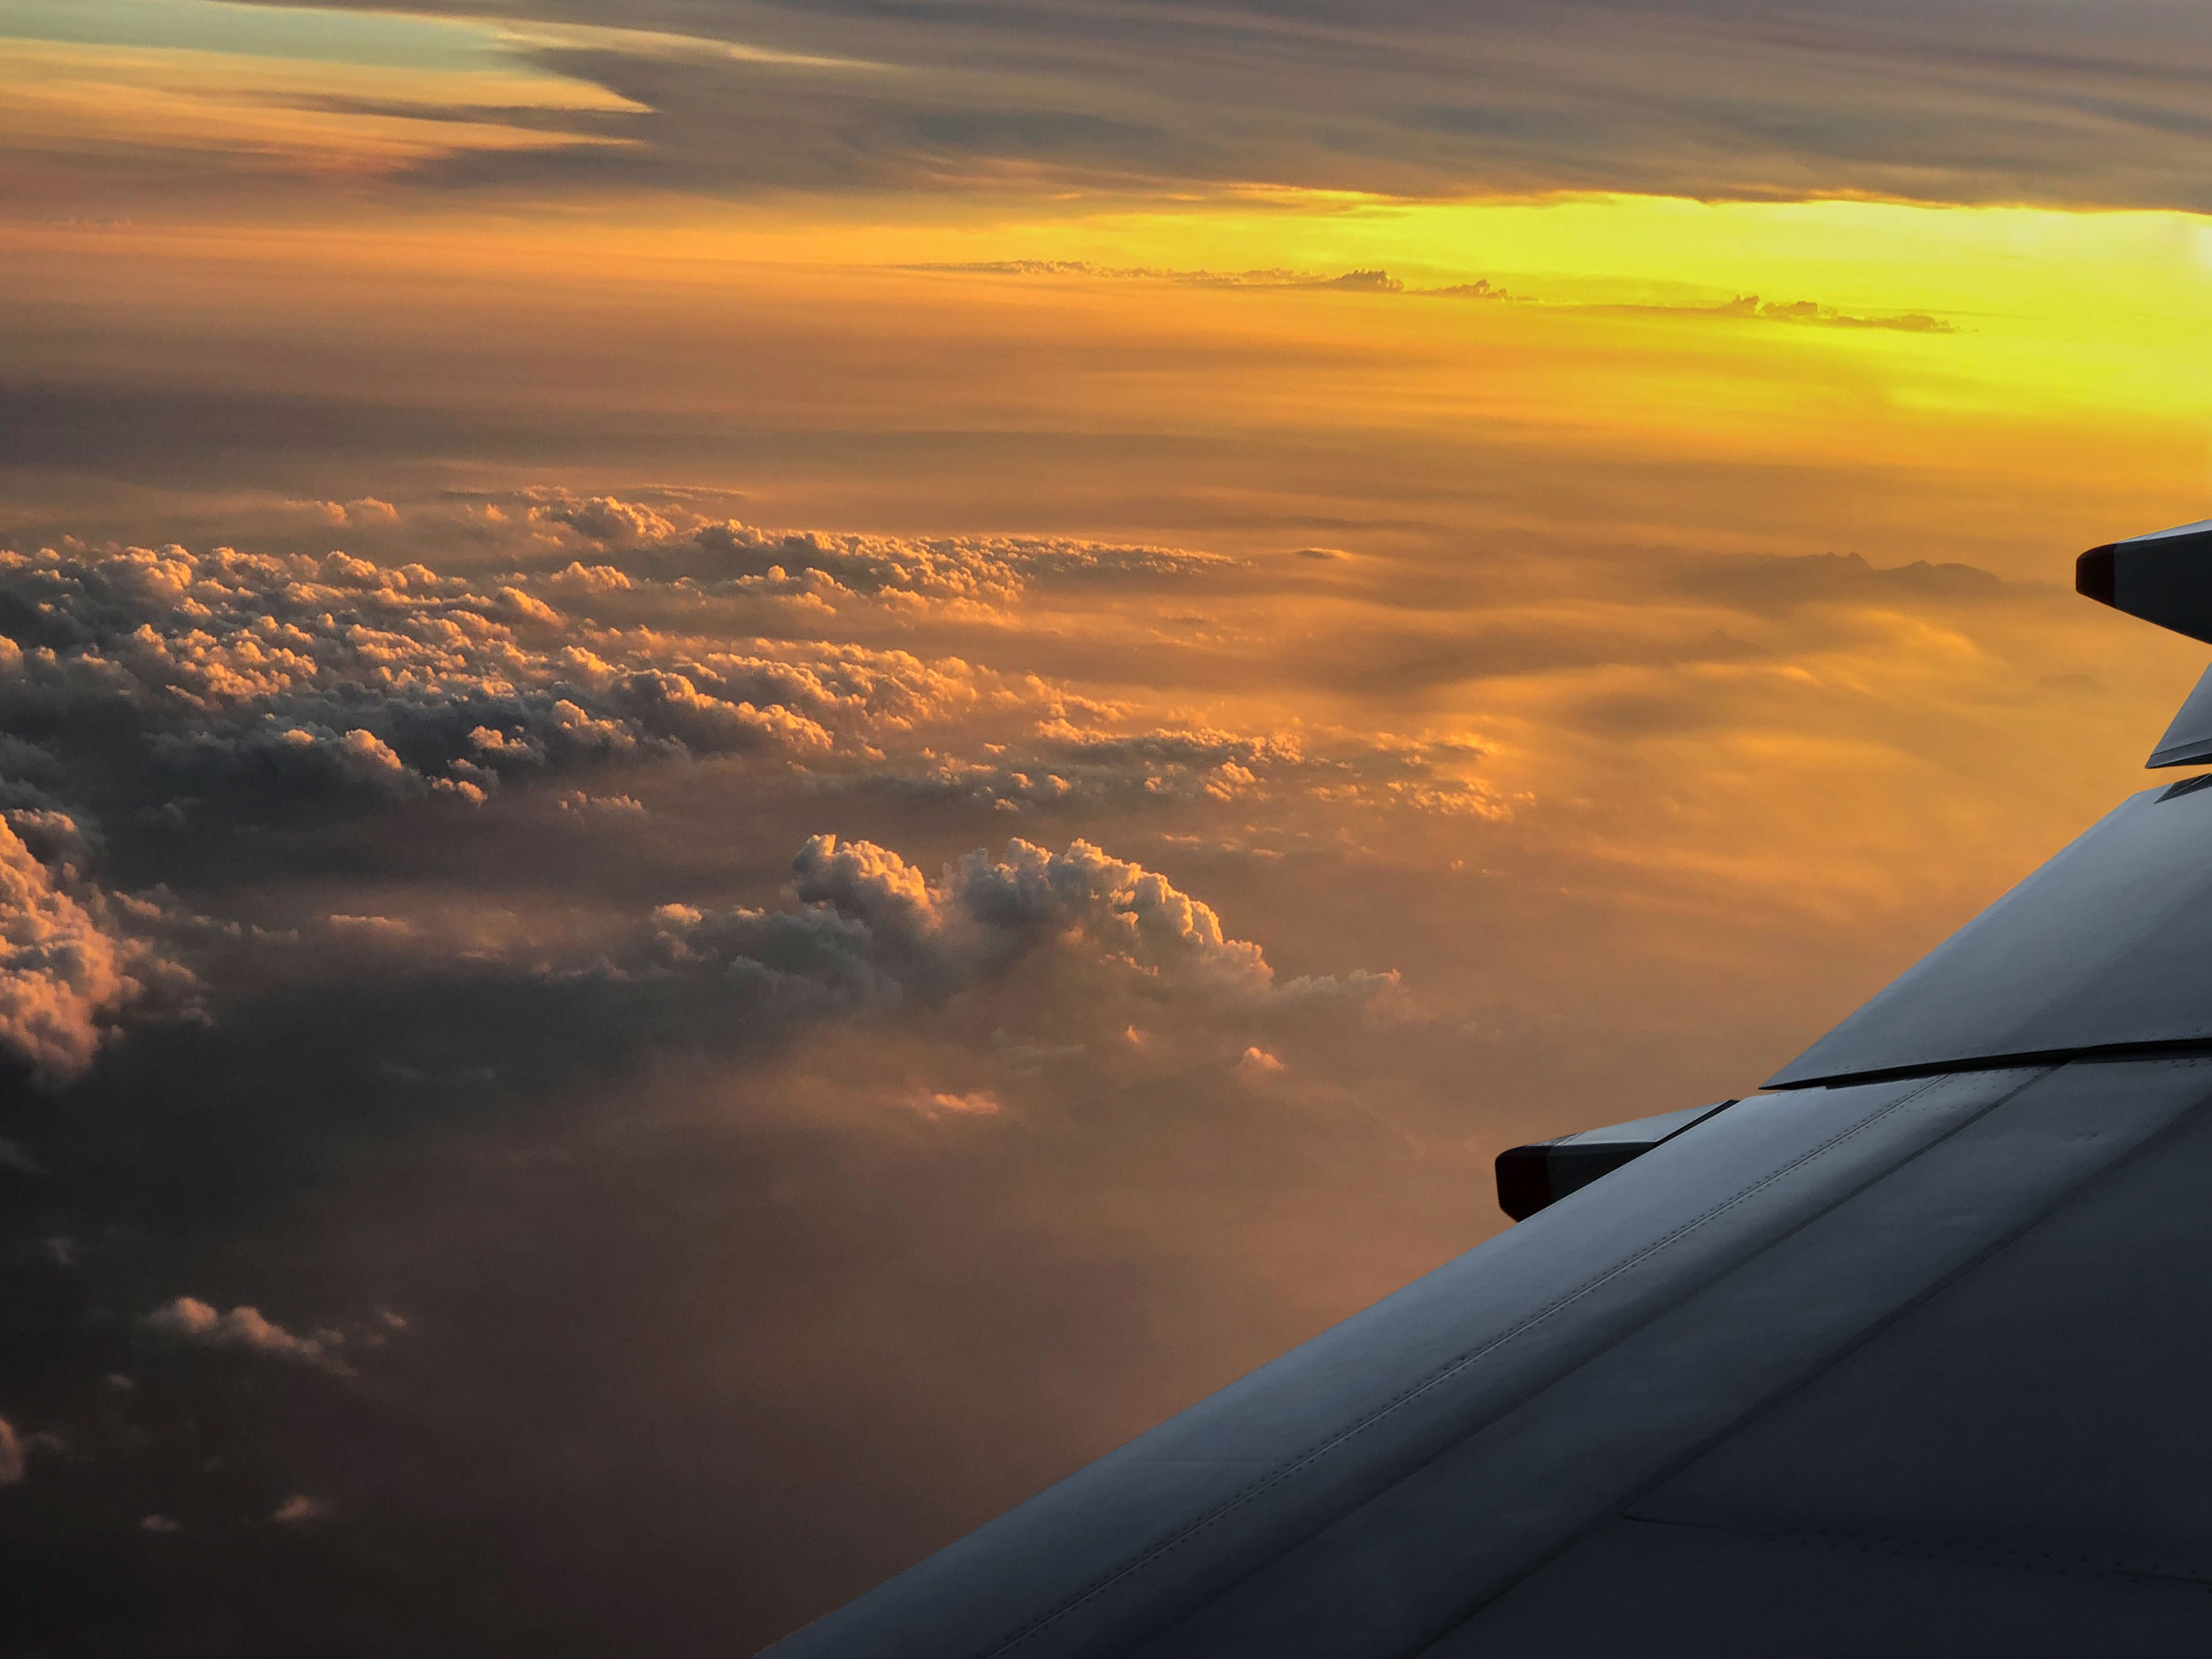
(276, 115)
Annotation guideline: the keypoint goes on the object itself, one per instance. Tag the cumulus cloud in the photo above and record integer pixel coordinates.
(192, 696)
(668, 544)
(591, 578)
(195, 700)
(233, 688)
(977, 1005)
(11, 1454)
(287, 679)
(603, 806)
(305, 761)
(64, 973)
(994, 570)
(1257, 1065)
(1072, 766)
(606, 519)
(189, 1320)
(876, 931)
(364, 510)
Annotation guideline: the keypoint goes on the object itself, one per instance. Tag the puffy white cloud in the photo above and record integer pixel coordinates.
(1257, 1065)
(263, 684)
(1072, 766)
(666, 542)
(303, 760)
(290, 676)
(363, 510)
(675, 705)
(984, 570)
(876, 931)
(815, 960)
(516, 606)
(1120, 909)
(601, 806)
(605, 518)
(872, 885)
(591, 578)
(190, 1320)
(65, 973)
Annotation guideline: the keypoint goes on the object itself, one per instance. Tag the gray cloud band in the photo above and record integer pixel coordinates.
(1951, 102)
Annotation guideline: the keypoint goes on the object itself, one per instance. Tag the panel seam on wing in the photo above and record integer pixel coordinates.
(2048, 1561)
(1445, 1372)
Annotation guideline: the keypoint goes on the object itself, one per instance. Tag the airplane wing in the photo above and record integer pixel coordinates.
(1911, 1353)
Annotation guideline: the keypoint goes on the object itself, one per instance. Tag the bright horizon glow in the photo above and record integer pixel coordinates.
(1638, 310)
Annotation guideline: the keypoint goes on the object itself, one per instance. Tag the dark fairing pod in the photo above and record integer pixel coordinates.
(2165, 578)
(1541, 1173)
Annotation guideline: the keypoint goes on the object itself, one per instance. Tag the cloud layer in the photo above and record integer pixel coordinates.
(877, 930)
(66, 973)
(190, 1320)
(714, 1019)
(1956, 101)
(232, 686)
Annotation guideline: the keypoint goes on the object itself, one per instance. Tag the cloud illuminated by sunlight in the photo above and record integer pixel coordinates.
(319, 117)
(277, 87)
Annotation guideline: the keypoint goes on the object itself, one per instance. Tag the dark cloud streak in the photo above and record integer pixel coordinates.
(1956, 102)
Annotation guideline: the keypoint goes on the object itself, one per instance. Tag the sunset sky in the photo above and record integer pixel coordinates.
(768, 765)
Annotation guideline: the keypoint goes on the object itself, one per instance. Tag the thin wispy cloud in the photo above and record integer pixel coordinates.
(1743, 307)
(1948, 103)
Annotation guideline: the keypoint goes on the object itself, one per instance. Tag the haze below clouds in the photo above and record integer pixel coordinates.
(765, 766)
